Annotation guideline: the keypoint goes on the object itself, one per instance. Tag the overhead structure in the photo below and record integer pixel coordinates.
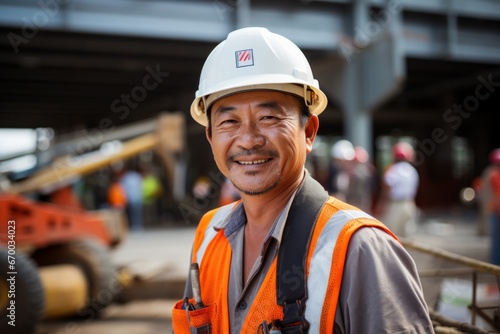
(426, 69)
(124, 60)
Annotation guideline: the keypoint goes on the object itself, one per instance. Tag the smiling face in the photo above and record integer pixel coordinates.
(258, 141)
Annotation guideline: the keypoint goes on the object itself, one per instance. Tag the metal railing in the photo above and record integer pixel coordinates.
(473, 268)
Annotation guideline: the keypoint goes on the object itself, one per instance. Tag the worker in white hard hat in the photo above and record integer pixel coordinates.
(399, 189)
(286, 257)
(340, 169)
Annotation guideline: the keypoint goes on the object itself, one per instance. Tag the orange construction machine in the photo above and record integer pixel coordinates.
(55, 258)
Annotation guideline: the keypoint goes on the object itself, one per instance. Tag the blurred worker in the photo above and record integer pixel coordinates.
(117, 198)
(247, 273)
(131, 182)
(490, 192)
(399, 188)
(361, 180)
(202, 188)
(482, 202)
(228, 193)
(151, 194)
(340, 169)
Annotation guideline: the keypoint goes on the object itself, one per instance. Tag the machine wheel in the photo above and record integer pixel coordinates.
(27, 294)
(95, 262)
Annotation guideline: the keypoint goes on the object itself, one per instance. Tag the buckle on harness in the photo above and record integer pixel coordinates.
(294, 320)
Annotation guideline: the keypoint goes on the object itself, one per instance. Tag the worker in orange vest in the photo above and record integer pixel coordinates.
(490, 180)
(286, 257)
(117, 198)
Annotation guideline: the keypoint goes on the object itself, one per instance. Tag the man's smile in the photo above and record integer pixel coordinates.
(253, 157)
(252, 162)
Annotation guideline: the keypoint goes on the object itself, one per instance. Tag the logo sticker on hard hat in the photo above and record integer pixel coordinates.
(244, 58)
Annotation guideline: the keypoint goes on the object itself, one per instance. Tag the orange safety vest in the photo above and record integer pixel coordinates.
(116, 195)
(335, 225)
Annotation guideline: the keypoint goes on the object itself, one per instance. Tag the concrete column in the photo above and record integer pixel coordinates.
(357, 120)
(242, 13)
(451, 30)
(358, 128)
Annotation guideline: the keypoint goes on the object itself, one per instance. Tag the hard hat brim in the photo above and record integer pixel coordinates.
(281, 83)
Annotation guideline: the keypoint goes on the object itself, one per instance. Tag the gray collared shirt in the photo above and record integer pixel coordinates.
(380, 291)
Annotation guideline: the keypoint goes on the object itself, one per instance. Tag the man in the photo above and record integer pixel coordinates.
(400, 185)
(362, 181)
(340, 169)
(490, 192)
(259, 103)
(131, 181)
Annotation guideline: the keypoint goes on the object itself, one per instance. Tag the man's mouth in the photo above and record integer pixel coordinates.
(251, 157)
(253, 162)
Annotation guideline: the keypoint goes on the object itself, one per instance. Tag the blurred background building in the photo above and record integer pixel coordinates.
(93, 90)
(72, 72)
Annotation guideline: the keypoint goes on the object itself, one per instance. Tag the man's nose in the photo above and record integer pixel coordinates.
(250, 136)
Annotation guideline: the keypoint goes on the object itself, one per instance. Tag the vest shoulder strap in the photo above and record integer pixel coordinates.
(291, 267)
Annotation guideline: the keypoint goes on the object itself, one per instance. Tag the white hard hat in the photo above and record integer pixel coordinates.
(343, 150)
(255, 59)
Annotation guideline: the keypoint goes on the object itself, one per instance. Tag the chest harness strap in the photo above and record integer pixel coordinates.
(292, 256)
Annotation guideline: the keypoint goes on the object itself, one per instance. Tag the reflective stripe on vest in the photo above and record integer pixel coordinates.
(210, 232)
(336, 224)
(323, 281)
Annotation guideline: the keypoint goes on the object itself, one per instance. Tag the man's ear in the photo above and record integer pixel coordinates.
(311, 129)
(208, 134)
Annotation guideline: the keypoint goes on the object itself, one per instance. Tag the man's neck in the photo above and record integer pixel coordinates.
(261, 210)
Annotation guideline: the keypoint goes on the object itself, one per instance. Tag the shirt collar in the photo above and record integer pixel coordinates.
(236, 218)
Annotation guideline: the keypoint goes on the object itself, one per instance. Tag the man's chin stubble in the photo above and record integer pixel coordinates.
(258, 192)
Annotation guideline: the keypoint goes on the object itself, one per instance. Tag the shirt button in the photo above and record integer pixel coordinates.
(242, 305)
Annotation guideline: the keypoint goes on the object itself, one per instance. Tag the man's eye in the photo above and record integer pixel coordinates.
(227, 122)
